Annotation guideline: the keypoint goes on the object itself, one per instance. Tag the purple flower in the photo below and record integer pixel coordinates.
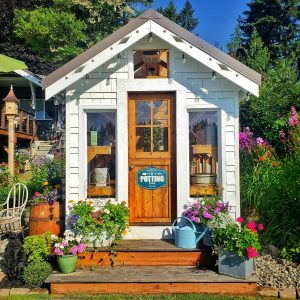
(192, 218)
(220, 204)
(217, 210)
(197, 220)
(206, 215)
(72, 219)
(260, 141)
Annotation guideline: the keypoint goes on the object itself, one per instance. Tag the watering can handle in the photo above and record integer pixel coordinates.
(201, 235)
(194, 228)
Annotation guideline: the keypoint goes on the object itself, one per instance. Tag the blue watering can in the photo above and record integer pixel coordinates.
(187, 236)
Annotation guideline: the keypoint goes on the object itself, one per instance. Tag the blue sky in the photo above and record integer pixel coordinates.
(217, 18)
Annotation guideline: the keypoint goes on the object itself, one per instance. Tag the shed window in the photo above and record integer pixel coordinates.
(151, 63)
(203, 146)
(101, 140)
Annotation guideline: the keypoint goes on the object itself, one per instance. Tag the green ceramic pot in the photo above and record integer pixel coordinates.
(67, 263)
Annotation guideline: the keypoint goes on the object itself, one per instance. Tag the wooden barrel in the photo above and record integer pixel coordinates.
(46, 218)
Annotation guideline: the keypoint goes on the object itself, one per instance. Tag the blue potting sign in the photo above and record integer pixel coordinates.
(151, 178)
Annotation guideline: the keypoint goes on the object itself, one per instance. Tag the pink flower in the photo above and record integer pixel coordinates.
(251, 252)
(240, 219)
(197, 220)
(192, 218)
(281, 134)
(81, 247)
(260, 141)
(36, 193)
(294, 119)
(260, 227)
(74, 250)
(217, 210)
(58, 251)
(251, 225)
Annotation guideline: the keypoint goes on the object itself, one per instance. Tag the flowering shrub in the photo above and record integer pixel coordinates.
(48, 196)
(69, 245)
(111, 218)
(241, 239)
(204, 211)
(22, 157)
(270, 184)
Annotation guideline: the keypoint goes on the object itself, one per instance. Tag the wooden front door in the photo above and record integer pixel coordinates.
(152, 176)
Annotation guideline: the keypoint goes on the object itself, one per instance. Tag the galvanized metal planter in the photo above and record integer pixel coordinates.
(233, 265)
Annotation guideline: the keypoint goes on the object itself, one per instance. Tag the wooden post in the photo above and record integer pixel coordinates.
(11, 111)
(11, 144)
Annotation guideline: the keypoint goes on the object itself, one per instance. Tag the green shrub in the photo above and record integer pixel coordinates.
(36, 272)
(37, 247)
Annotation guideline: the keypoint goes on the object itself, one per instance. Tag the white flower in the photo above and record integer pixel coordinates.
(68, 232)
(106, 211)
(56, 245)
(78, 238)
(61, 246)
(53, 237)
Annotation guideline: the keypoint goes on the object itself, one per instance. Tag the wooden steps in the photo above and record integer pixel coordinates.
(146, 253)
(148, 267)
(149, 280)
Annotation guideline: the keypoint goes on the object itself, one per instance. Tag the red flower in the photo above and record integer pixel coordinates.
(252, 226)
(260, 227)
(262, 158)
(251, 252)
(240, 219)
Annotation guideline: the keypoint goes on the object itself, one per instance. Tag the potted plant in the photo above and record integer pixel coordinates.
(66, 250)
(45, 214)
(203, 211)
(236, 245)
(99, 227)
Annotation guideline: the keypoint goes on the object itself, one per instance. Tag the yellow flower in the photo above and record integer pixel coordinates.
(80, 201)
(91, 202)
(45, 183)
(71, 201)
(124, 232)
(123, 202)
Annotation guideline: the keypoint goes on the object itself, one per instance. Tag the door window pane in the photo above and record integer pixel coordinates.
(160, 139)
(143, 112)
(143, 139)
(101, 141)
(203, 136)
(160, 112)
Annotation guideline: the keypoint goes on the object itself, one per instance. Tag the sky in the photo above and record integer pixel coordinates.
(217, 18)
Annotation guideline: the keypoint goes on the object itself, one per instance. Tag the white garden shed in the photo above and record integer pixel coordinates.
(152, 118)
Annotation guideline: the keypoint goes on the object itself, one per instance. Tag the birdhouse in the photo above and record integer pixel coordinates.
(11, 103)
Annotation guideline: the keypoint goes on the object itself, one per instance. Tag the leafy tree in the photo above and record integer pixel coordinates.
(186, 17)
(279, 91)
(169, 12)
(14, 47)
(235, 45)
(52, 34)
(276, 24)
(257, 55)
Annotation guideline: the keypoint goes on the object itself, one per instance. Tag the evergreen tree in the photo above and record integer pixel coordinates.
(169, 12)
(276, 24)
(257, 55)
(235, 45)
(186, 17)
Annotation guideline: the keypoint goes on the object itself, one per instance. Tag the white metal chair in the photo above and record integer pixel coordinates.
(13, 208)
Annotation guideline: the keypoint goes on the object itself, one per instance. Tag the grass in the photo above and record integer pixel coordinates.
(131, 297)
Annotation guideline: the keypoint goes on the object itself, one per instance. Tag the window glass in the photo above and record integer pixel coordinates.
(203, 142)
(101, 141)
(39, 110)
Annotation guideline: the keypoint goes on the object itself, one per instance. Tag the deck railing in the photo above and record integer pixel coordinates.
(25, 122)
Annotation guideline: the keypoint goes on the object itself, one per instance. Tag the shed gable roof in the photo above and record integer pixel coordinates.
(135, 24)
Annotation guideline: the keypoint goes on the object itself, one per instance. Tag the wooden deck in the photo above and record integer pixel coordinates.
(146, 253)
(149, 280)
(148, 267)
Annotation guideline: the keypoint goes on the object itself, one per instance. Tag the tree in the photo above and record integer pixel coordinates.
(257, 55)
(276, 24)
(279, 91)
(186, 17)
(14, 47)
(235, 45)
(52, 34)
(169, 12)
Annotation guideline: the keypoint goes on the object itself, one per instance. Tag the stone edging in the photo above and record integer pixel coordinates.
(284, 293)
(23, 291)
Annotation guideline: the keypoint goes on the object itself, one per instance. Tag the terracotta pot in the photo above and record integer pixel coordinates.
(46, 218)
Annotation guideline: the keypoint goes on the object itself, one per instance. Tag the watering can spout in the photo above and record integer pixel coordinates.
(201, 235)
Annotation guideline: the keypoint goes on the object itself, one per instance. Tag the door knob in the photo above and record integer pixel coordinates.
(131, 167)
